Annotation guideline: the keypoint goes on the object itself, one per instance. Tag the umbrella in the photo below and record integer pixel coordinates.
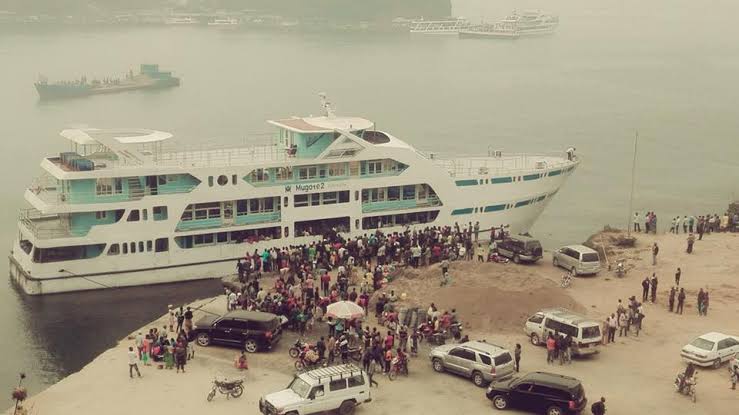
(346, 310)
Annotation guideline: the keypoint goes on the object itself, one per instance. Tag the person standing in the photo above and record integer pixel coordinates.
(612, 324)
(677, 225)
(645, 289)
(517, 356)
(685, 223)
(188, 320)
(371, 372)
(671, 301)
(655, 251)
(551, 346)
(599, 407)
(691, 241)
(680, 301)
(705, 303)
(622, 325)
(653, 285)
(637, 227)
(734, 375)
(132, 363)
(180, 319)
(677, 276)
(180, 356)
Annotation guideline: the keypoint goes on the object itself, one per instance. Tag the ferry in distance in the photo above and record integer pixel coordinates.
(125, 208)
(526, 24)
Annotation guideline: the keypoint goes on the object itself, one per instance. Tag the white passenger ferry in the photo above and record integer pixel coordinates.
(124, 209)
(526, 24)
(439, 27)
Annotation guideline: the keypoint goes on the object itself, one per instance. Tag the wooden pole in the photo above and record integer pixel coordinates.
(631, 196)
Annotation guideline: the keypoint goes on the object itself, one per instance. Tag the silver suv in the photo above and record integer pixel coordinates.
(477, 360)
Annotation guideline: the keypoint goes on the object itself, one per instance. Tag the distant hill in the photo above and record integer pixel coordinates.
(354, 10)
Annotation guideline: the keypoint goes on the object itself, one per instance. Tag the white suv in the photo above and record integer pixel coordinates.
(341, 388)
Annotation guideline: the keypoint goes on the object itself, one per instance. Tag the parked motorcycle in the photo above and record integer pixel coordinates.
(230, 388)
(566, 280)
(620, 268)
(397, 367)
(685, 386)
(298, 348)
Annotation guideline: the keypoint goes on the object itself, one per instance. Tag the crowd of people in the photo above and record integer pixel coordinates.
(704, 224)
(169, 347)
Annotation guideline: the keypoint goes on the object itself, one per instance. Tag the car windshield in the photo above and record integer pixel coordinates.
(590, 257)
(300, 387)
(590, 332)
(702, 343)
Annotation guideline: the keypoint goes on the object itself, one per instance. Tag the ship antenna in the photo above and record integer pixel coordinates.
(326, 105)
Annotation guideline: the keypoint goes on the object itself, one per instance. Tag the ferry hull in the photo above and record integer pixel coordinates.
(46, 91)
(212, 263)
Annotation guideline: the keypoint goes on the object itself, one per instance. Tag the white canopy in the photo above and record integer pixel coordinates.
(88, 136)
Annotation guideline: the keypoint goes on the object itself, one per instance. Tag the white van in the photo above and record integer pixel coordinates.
(585, 332)
(578, 259)
(342, 388)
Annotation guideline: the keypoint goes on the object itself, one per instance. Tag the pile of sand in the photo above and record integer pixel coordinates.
(488, 297)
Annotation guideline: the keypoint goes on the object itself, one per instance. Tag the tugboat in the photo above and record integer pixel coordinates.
(149, 77)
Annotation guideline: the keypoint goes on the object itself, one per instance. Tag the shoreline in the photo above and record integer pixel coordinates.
(712, 265)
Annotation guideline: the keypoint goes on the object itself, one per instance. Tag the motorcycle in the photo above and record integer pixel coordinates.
(685, 386)
(230, 388)
(620, 269)
(298, 348)
(566, 280)
(494, 257)
(397, 367)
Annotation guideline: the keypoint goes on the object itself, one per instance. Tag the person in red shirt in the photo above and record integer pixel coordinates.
(388, 359)
(551, 346)
(389, 341)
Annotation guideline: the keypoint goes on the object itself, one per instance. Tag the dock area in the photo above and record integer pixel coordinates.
(478, 291)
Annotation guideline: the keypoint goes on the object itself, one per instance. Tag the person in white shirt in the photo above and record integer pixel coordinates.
(133, 362)
(637, 222)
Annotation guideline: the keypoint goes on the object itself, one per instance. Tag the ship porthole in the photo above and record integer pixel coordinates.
(222, 180)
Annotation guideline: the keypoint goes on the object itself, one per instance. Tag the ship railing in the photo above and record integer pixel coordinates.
(221, 156)
(44, 226)
(498, 163)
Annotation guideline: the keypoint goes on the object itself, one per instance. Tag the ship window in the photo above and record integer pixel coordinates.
(356, 223)
(284, 173)
(222, 237)
(269, 204)
(336, 169)
(409, 192)
(287, 231)
(160, 212)
(356, 194)
(101, 214)
(133, 247)
(108, 186)
(284, 202)
(161, 245)
(421, 191)
(125, 247)
(393, 193)
(161, 180)
(210, 181)
(374, 167)
(148, 246)
(133, 216)
(300, 200)
(67, 253)
(344, 196)
(222, 180)
(253, 205)
(233, 179)
(115, 249)
(146, 214)
(329, 198)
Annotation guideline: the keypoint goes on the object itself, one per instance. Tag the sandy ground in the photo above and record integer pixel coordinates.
(634, 374)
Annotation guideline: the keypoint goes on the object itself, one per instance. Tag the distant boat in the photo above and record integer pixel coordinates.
(150, 77)
(224, 21)
(180, 21)
(526, 24)
(439, 27)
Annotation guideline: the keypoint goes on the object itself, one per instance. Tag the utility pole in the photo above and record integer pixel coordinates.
(631, 196)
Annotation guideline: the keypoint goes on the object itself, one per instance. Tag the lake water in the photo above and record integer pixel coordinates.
(666, 68)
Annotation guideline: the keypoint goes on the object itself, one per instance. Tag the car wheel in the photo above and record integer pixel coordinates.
(535, 339)
(574, 271)
(717, 363)
(554, 410)
(477, 379)
(500, 402)
(203, 339)
(250, 346)
(516, 259)
(347, 408)
(438, 365)
(555, 262)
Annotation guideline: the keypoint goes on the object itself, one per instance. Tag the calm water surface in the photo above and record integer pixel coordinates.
(667, 69)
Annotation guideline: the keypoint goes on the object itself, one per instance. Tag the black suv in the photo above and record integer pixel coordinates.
(520, 248)
(250, 330)
(539, 392)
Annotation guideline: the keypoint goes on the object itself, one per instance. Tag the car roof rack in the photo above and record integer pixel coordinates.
(335, 372)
